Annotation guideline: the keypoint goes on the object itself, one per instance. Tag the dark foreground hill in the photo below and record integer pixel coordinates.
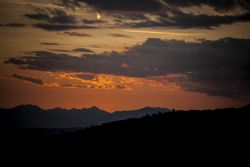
(225, 127)
(178, 125)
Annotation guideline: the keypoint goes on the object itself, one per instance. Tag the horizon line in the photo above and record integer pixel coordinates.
(125, 110)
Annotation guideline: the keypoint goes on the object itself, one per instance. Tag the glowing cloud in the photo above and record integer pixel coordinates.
(98, 15)
(160, 32)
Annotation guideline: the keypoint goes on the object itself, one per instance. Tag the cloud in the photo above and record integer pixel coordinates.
(220, 5)
(75, 34)
(97, 81)
(16, 25)
(49, 43)
(235, 89)
(133, 16)
(88, 21)
(86, 76)
(182, 20)
(161, 32)
(155, 5)
(62, 27)
(83, 50)
(28, 79)
(124, 5)
(55, 20)
(219, 67)
(52, 16)
(155, 13)
(120, 36)
(69, 3)
(140, 14)
(60, 50)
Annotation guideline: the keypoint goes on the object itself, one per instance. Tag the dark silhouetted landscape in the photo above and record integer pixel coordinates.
(155, 126)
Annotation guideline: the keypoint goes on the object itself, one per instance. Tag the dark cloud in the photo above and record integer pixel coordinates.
(155, 5)
(62, 27)
(60, 50)
(13, 25)
(75, 34)
(86, 76)
(120, 36)
(69, 3)
(182, 20)
(55, 20)
(59, 20)
(122, 87)
(83, 50)
(52, 16)
(125, 5)
(136, 10)
(218, 67)
(233, 88)
(134, 16)
(15, 61)
(28, 79)
(220, 5)
(106, 63)
(49, 43)
(88, 21)
(73, 86)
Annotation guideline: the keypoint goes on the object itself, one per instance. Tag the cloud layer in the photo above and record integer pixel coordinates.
(182, 20)
(141, 14)
(156, 5)
(28, 79)
(52, 16)
(218, 67)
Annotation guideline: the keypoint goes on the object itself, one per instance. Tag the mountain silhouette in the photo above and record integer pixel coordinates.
(226, 129)
(31, 116)
(180, 128)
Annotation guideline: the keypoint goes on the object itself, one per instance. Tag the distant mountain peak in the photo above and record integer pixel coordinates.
(152, 109)
(28, 107)
(32, 116)
(94, 108)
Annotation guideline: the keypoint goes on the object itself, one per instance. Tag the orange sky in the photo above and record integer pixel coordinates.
(110, 92)
(14, 92)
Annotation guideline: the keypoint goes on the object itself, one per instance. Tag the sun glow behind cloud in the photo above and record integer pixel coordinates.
(98, 15)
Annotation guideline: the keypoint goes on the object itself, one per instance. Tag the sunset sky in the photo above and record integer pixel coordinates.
(125, 54)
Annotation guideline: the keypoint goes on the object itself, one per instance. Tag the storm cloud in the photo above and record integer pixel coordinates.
(219, 67)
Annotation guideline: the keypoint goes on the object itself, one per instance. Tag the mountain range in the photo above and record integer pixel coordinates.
(32, 116)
